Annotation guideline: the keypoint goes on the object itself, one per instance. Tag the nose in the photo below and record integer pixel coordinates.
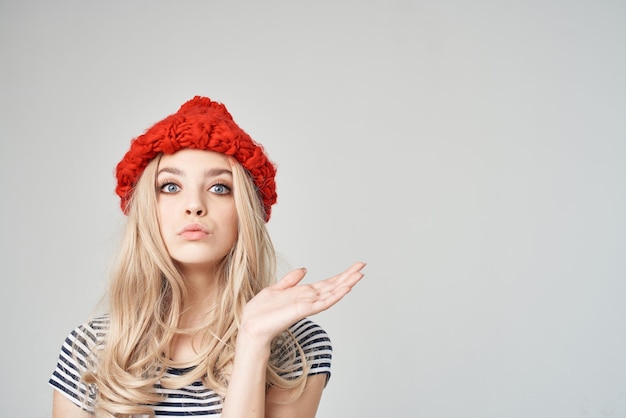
(195, 207)
(196, 211)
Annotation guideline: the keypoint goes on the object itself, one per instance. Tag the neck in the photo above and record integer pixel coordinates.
(202, 293)
(202, 287)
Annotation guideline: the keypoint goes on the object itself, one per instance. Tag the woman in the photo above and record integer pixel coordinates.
(196, 324)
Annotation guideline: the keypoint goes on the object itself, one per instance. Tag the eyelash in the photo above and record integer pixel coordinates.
(225, 186)
(164, 183)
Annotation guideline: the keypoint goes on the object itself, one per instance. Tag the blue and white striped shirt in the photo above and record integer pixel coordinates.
(192, 400)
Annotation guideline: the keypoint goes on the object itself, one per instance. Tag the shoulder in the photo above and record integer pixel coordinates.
(312, 341)
(77, 355)
(90, 333)
(310, 335)
(84, 340)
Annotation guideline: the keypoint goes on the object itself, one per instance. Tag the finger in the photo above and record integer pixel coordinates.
(330, 293)
(347, 276)
(347, 284)
(329, 299)
(358, 266)
(290, 279)
(352, 279)
(353, 274)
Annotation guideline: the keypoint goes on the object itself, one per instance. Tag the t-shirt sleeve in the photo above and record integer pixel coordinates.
(317, 348)
(75, 355)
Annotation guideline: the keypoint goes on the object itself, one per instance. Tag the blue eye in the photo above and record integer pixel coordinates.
(220, 189)
(169, 188)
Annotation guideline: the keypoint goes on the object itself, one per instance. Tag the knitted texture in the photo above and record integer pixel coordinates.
(203, 124)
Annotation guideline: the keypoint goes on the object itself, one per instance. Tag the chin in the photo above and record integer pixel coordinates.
(197, 263)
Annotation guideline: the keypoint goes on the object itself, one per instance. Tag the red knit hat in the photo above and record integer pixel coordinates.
(202, 124)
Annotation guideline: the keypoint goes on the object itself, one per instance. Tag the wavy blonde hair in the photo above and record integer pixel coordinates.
(146, 299)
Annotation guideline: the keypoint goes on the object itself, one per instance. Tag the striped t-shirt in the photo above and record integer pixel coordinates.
(192, 400)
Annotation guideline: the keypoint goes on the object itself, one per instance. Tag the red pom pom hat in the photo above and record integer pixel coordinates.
(202, 124)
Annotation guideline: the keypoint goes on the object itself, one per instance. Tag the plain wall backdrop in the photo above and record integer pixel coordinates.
(471, 152)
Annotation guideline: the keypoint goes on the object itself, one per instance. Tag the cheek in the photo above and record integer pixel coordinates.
(230, 223)
(164, 214)
(233, 223)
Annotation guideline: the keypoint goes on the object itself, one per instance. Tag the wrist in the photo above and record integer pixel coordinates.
(251, 344)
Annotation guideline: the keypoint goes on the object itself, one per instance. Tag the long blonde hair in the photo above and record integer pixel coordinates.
(146, 300)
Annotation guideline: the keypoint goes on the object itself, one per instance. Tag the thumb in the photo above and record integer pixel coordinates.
(290, 279)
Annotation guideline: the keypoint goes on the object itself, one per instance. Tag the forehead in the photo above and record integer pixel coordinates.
(193, 158)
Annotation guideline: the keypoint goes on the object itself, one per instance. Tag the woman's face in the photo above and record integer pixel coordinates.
(197, 214)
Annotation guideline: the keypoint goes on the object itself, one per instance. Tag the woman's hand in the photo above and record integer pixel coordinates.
(278, 307)
(265, 316)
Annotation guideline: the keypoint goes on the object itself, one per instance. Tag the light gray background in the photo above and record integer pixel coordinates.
(472, 152)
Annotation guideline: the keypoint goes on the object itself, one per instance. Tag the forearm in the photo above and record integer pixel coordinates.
(270, 312)
(62, 407)
(245, 397)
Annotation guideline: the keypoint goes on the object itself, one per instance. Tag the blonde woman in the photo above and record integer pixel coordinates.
(196, 324)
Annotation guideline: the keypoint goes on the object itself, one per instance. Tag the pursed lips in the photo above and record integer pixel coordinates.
(194, 232)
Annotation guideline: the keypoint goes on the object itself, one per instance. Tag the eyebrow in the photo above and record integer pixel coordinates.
(214, 172)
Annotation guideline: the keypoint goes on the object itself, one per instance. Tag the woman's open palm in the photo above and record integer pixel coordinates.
(277, 307)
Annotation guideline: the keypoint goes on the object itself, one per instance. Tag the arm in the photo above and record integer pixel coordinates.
(304, 407)
(62, 407)
(270, 312)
